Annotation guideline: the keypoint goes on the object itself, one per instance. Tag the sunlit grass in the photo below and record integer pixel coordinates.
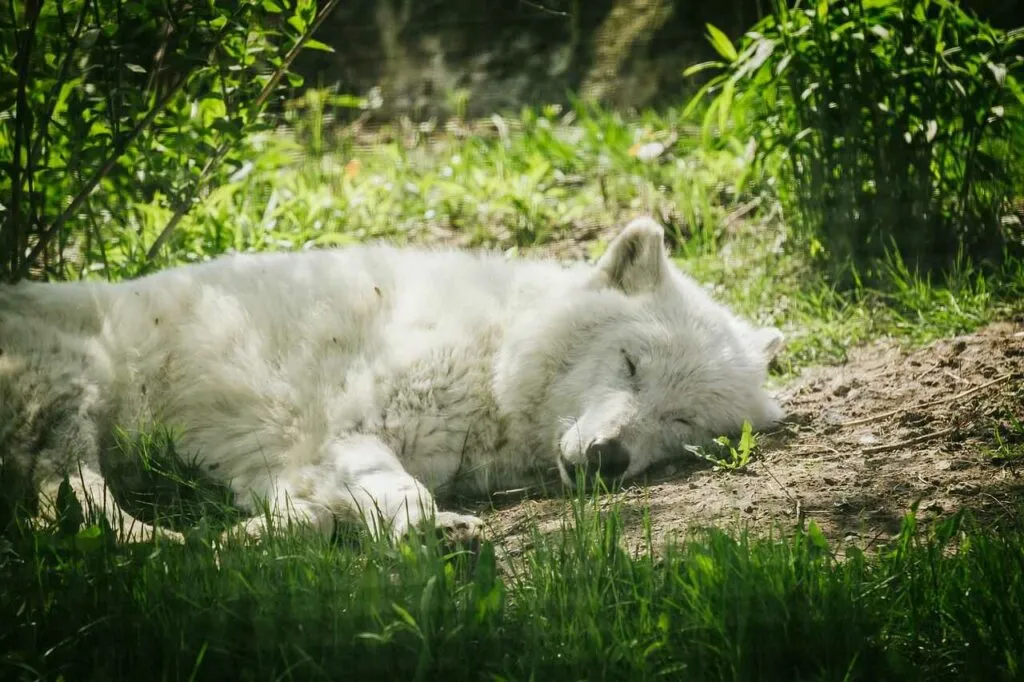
(525, 182)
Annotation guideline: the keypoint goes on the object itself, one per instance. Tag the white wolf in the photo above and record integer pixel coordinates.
(354, 383)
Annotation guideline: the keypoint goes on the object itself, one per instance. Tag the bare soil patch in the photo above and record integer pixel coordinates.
(863, 441)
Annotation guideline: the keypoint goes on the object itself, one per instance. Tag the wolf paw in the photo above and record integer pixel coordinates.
(141, 533)
(247, 532)
(459, 531)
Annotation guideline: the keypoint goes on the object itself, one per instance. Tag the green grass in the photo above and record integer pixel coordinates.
(516, 184)
(1008, 431)
(74, 605)
(576, 606)
(822, 322)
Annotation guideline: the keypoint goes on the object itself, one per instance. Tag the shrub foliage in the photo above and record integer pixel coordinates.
(105, 102)
(891, 123)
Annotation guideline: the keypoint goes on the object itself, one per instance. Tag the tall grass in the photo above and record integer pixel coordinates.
(575, 606)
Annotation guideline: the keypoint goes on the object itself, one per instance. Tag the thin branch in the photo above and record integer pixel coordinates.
(62, 75)
(186, 203)
(46, 235)
(158, 57)
(545, 10)
(97, 234)
(98, 175)
(43, 129)
(907, 443)
(22, 135)
(276, 77)
(222, 150)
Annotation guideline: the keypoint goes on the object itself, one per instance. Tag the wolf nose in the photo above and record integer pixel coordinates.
(608, 458)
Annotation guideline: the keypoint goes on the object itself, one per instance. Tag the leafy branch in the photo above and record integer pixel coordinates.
(92, 117)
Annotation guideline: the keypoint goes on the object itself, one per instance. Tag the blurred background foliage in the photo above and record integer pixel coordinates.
(504, 54)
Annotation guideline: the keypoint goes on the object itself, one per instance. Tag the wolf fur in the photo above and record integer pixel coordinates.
(356, 383)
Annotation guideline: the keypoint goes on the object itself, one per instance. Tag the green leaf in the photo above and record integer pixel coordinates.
(273, 7)
(406, 617)
(1017, 91)
(721, 43)
(427, 598)
(781, 65)
(763, 50)
(89, 539)
(747, 438)
(709, 118)
(703, 66)
(880, 31)
(228, 126)
(725, 108)
(816, 537)
(317, 45)
(695, 101)
(347, 101)
(998, 72)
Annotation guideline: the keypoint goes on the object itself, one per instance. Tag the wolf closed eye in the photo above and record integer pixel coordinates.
(630, 364)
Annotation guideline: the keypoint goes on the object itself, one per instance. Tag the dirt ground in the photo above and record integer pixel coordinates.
(862, 442)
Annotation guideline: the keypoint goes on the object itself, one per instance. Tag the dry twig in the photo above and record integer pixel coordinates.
(913, 441)
(892, 413)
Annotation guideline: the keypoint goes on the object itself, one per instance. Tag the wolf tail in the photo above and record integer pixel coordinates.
(69, 306)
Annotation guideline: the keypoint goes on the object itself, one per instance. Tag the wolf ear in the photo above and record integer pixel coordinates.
(767, 341)
(635, 261)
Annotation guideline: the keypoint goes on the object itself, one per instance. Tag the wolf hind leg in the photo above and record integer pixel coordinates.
(281, 509)
(92, 492)
(52, 411)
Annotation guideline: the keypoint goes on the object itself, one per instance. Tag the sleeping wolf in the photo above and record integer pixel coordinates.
(354, 383)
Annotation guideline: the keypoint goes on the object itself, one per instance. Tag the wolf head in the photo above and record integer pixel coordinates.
(653, 364)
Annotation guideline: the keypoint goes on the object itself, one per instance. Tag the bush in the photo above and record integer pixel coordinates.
(105, 102)
(890, 123)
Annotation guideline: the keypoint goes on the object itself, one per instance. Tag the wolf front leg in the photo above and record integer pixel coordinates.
(361, 479)
(388, 499)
